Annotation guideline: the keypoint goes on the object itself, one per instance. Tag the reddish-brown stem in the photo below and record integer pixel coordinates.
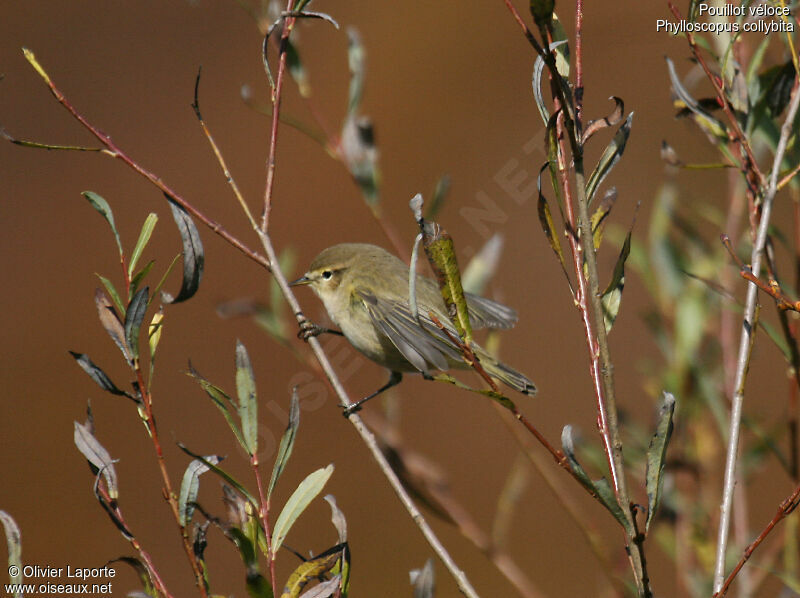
(115, 152)
(288, 24)
(112, 507)
(525, 30)
(150, 421)
(785, 508)
(263, 515)
(751, 165)
(579, 65)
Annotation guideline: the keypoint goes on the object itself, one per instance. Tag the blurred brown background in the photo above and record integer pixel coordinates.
(448, 87)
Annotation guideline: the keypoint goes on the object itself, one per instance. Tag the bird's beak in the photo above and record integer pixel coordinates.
(300, 281)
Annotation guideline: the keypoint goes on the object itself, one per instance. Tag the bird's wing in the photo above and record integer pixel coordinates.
(485, 313)
(422, 347)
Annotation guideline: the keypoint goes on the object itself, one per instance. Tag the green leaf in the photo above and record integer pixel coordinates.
(600, 489)
(134, 316)
(98, 457)
(248, 402)
(191, 485)
(609, 158)
(223, 474)
(154, 332)
(144, 238)
(549, 227)
(538, 71)
(111, 322)
(14, 542)
(600, 216)
(612, 296)
(101, 205)
(287, 442)
(137, 278)
(309, 571)
(193, 255)
(297, 70)
(704, 120)
(98, 375)
(440, 192)
(657, 456)
(112, 291)
(222, 401)
(308, 489)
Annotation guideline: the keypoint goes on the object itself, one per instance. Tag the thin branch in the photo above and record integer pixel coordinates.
(784, 509)
(288, 24)
(228, 177)
(115, 152)
(745, 343)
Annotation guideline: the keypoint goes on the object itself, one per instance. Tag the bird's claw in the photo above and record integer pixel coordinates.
(308, 330)
(350, 410)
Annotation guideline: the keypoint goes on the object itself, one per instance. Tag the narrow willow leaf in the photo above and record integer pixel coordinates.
(536, 79)
(440, 249)
(706, 122)
(560, 47)
(495, 396)
(600, 489)
(248, 402)
(440, 192)
(287, 442)
(483, 265)
(137, 278)
(297, 70)
(193, 255)
(593, 126)
(98, 375)
(142, 572)
(337, 518)
(324, 589)
(309, 571)
(134, 317)
(101, 205)
(154, 332)
(612, 296)
(14, 543)
(98, 457)
(112, 291)
(222, 401)
(549, 228)
(609, 158)
(657, 456)
(308, 489)
(600, 216)
(190, 486)
(356, 59)
(223, 474)
(141, 243)
(111, 322)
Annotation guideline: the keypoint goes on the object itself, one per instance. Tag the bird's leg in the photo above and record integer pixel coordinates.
(309, 329)
(394, 380)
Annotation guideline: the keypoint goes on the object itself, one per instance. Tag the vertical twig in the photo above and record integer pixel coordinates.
(745, 344)
(288, 24)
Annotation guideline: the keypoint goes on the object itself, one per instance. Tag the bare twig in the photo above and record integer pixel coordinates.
(115, 152)
(288, 24)
(745, 343)
(784, 509)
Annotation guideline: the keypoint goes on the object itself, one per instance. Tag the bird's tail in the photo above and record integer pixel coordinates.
(506, 374)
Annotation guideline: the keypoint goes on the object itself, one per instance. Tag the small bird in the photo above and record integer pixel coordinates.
(365, 290)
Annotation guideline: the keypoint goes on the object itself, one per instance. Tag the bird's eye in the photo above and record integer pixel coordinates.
(327, 274)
